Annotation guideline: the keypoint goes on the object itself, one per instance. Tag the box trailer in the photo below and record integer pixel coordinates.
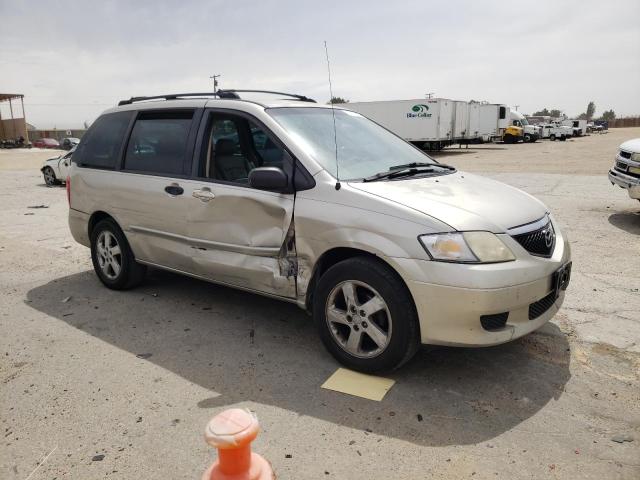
(460, 119)
(427, 123)
(473, 123)
(579, 127)
(493, 119)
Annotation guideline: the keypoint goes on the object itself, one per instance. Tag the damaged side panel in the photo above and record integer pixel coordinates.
(244, 237)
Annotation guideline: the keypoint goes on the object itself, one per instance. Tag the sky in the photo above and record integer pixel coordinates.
(72, 60)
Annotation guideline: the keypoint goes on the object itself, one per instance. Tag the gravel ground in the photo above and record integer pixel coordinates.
(121, 384)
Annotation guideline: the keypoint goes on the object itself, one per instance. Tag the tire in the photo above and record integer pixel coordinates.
(508, 138)
(392, 313)
(50, 177)
(106, 238)
(552, 137)
(527, 138)
(563, 138)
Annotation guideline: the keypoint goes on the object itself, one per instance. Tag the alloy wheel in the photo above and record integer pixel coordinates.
(359, 319)
(109, 255)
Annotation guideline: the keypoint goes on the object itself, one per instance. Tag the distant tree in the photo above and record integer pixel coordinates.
(337, 100)
(608, 116)
(542, 113)
(591, 110)
(582, 116)
(556, 113)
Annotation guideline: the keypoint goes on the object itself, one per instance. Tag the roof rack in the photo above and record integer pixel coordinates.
(233, 93)
(222, 94)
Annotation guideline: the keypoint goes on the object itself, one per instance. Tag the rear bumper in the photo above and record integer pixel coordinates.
(631, 184)
(79, 226)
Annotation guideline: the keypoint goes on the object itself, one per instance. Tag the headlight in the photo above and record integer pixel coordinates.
(466, 247)
(635, 157)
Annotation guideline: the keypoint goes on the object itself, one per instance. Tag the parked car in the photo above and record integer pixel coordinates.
(69, 142)
(626, 169)
(389, 248)
(56, 169)
(46, 143)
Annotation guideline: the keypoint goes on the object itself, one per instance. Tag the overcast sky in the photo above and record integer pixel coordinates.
(72, 60)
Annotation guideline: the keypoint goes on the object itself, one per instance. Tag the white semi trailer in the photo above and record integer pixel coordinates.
(430, 124)
(493, 120)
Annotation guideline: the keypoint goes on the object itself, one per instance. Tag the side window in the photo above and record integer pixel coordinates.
(101, 145)
(503, 113)
(268, 152)
(235, 146)
(158, 142)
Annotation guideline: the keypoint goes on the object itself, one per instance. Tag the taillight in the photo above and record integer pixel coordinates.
(68, 182)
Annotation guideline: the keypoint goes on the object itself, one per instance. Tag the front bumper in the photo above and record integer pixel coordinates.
(451, 298)
(631, 184)
(452, 316)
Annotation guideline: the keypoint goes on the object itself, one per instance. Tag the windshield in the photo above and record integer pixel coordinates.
(524, 121)
(364, 148)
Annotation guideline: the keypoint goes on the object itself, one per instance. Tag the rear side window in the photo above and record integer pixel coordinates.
(100, 147)
(503, 113)
(158, 143)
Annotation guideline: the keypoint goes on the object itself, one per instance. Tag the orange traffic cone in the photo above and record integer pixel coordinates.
(232, 432)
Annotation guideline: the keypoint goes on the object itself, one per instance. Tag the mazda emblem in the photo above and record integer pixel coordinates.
(548, 237)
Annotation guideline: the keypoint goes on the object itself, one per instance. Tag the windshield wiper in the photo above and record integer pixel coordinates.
(407, 170)
(421, 164)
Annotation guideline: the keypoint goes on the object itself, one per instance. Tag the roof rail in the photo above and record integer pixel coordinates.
(233, 93)
(171, 96)
(222, 94)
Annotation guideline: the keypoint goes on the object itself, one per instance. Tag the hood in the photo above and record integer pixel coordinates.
(462, 200)
(632, 146)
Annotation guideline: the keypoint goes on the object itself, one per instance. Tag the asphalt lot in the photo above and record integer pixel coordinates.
(135, 375)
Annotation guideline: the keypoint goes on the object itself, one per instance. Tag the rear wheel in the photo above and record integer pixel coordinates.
(365, 315)
(112, 258)
(49, 176)
(508, 138)
(552, 137)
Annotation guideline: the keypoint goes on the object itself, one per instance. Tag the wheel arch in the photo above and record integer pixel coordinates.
(96, 217)
(336, 255)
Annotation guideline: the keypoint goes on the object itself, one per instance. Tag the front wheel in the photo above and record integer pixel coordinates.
(527, 138)
(49, 177)
(552, 137)
(366, 316)
(112, 258)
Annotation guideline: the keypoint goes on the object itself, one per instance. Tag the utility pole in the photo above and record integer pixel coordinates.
(429, 95)
(516, 107)
(215, 82)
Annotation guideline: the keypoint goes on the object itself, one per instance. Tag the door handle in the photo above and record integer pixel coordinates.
(205, 194)
(174, 190)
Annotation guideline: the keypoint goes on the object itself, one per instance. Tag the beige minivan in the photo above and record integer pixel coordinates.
(321, 207)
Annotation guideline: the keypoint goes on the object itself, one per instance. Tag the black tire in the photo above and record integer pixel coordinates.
(552, 137)
(563, 138)
(131, 272)
(50, 177)
(404, 339)
(508, 138)
(527, 138)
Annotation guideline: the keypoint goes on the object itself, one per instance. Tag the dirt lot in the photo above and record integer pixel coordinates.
(134, 376)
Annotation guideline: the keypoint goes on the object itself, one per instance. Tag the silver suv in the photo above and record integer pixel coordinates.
(321, 207)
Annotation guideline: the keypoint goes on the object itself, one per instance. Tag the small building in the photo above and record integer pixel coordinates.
(15, 126)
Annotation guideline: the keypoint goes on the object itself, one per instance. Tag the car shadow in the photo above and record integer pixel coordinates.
(627, 221)
(244, 347)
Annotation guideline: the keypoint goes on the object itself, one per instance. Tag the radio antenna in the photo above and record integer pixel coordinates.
(333, 113)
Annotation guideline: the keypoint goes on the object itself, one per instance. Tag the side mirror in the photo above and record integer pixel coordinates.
(268, 178)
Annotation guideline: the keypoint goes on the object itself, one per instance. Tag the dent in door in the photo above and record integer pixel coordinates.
(244, 240)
